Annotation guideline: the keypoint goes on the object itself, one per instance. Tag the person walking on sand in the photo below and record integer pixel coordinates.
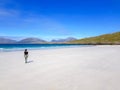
(26, 55)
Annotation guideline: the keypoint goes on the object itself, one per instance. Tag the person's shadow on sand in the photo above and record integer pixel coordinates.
(30, 61)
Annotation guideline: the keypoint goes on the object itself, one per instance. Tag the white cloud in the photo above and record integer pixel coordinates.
(4, 13)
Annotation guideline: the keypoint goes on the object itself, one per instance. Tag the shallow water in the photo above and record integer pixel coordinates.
(19, 47)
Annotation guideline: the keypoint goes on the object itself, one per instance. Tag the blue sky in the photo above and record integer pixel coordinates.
(48, 19)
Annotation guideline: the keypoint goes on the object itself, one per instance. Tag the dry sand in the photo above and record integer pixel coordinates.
(80, 68)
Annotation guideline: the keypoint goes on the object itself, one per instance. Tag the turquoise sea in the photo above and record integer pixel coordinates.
(18, 47)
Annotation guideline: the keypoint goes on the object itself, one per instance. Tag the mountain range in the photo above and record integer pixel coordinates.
(32, 40)
(113, 38)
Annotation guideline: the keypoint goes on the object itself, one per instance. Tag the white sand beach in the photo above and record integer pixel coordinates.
(79, 68)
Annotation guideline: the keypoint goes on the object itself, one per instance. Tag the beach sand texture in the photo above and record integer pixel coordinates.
(79, 68)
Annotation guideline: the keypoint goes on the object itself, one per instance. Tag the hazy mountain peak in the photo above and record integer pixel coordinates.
(64, 40)
(6, 41)
(32, 40)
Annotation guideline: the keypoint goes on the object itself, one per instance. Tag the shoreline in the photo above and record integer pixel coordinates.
(40, 48)
(55, 48)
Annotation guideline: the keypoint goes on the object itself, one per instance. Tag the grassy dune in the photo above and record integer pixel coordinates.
(113, 38)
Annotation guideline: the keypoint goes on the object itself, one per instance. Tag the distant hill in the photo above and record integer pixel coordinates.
(31, 41)
(63, 40)
(113, 38)
(6, 41)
